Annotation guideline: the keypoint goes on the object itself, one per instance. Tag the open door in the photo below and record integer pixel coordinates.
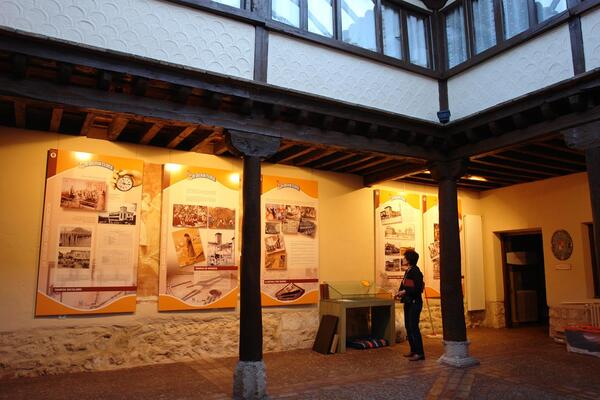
(524, 279)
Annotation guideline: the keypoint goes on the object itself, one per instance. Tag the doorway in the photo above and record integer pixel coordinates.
(524, 279)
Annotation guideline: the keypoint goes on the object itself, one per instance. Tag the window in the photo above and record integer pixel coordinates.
(456, 38)
(358, 23)
(484, 26)
(320, 17)
(232, 3)
(392, 33)
(286, 11)
(548, 8)
(516, 17)
(417, 40)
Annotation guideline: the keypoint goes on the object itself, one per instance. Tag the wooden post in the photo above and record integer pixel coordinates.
(587, 138)
(249, 379)
(453, 312)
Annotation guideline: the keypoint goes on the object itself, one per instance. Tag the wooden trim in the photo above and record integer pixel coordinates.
(443, 94)
(181, 136)
(20, 110)
(378, 27)
(223, 10)
(116, 127)
(394, 173)
(337, 20)
(498, 21)
(532, 14)
(151, 133)
(55, 120)
(303, 4)
(577, 49)
(261, 54)
(404, 31)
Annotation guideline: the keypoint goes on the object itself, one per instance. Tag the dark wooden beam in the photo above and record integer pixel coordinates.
(393, 174)
(140, 85)
(104, 79)
(208, 143)
(56, 119)
(87, 124)
(181, 94)
(334, 158)
(350, 126)
(246, 106)
(290, 155)
(151, 133)
(498, 165)
(302, 117)
(327, 122)
(578, 102)
(364, 166)
(520, 136)
(181, 136)
(261, 53)
(116, 127)
(537, 164)
(577, 50)
(357, 159)
(163, 110)
(20, 63)
(20, 114)
(314, 156)
(63, 73)
(547, 156)
(548, 111)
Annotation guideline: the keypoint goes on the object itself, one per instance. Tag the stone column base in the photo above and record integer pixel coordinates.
(456, 354)
(250, 381)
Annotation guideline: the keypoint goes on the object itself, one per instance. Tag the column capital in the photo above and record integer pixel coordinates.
(583, 137)
(448, 170)
(253, 145)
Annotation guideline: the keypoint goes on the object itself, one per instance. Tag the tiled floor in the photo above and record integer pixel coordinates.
(515, 364)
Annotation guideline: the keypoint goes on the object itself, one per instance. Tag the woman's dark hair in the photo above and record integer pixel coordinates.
(411, 256)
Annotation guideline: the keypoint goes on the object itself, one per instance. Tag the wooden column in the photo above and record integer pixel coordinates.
(453, 311)
(249, 380)
(587, 138)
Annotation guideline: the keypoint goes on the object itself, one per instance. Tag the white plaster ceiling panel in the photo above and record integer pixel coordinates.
(534, 65)
(590, 28)
(309, 68)
(148, 28)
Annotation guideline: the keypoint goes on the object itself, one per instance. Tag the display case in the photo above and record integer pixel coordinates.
(362, 310)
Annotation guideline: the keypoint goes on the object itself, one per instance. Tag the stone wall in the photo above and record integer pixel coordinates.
(564, 315)
(162, 339)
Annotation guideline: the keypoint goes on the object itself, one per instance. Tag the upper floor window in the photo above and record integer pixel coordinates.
(516, 17)
(484, 26)
(456, 36)
(473, 26)
(232, 3)
(548, 8)
(286, 11)
(418, 39)
(358, 23)
(320, 17)
(391, 31)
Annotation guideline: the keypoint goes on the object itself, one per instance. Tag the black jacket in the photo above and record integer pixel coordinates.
(413, 284)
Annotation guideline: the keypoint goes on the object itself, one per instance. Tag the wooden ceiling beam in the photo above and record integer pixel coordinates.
(358, 158)
(510, 167)
(181, 136)
(314, 156)
(393, 174)
(56, 119)
(529, 161)
(64, 71)
(363, 166)
(151, 133)
(87, 124)
(547, 156)
(213, 143)
(116, 127)
(292, 156)
(20, 109)
(324, 163)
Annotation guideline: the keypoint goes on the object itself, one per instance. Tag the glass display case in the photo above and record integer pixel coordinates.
(362, 309)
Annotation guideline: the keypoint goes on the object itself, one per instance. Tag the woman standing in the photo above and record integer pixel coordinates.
(410, 294)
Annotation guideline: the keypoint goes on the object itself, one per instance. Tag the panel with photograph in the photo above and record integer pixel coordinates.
(190, 216)
(83, 194)
(390, 215)
(74, 236)
(276, 261)
(220, 250)
(274, 243)
(274, 212)
(221, 218)
(125, 214)
(73, 258)
(188, 246)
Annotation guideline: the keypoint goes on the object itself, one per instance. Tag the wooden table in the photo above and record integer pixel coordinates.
(381, 315)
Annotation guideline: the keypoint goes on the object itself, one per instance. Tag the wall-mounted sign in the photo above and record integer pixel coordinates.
(90, 234)
(562, 244)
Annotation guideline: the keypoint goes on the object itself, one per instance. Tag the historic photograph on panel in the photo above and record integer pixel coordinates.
(275, 212)
(392, 264)
(188, 246)
(308, 212)
(73, 258)
(83, 194)
(292, 212)
(74, 236)
(220, 249)
(221, 218)
(272, 228)
(290, 226)
(190, 216)
(390, 216)
(391, 249)
(276, 261)
(307, 228)
(274, 243)
(124, 215)
(434, 251)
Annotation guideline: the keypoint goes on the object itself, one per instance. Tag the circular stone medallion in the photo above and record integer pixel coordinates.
(562, 244)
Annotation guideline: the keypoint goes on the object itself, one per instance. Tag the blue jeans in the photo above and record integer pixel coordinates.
(412, 314)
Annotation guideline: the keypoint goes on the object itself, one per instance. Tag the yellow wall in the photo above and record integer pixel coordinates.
(346, 222)
(548, 205)
(346, 218)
